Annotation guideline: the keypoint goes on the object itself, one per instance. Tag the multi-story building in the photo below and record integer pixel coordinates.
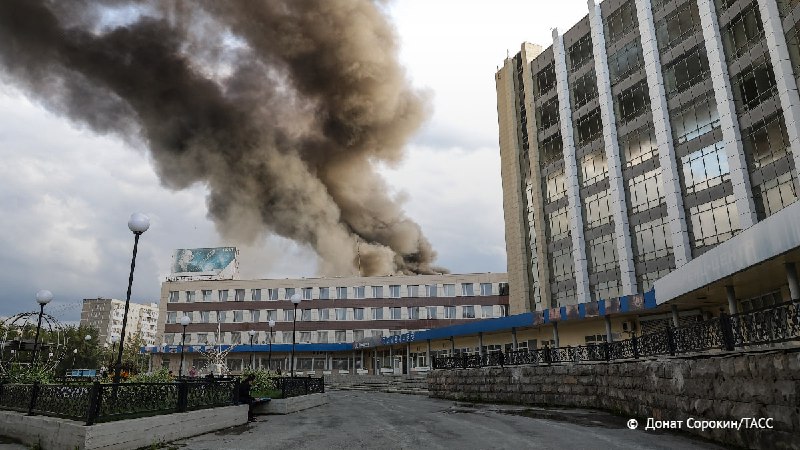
(642, 138)
(332, 313)
(106, 315)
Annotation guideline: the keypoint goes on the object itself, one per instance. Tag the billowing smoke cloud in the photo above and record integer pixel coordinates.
(282, 108)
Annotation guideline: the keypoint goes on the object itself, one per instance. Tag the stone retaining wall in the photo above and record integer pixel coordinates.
(291, 404)
(722, 387)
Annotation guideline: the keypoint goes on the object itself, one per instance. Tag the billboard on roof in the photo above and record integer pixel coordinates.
(218, 263)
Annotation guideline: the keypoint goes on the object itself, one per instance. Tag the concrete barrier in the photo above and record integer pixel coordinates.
(55, 433)
(292, 404)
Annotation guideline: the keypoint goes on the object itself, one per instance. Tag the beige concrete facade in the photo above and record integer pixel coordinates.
(106, 315)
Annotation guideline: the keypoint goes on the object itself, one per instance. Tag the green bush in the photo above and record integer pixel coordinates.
(27, 375)
(159, 376)
(264, 382)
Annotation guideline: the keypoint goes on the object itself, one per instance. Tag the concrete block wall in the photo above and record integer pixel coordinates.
(730, 387)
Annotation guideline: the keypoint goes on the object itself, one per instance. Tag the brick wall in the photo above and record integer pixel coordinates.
(722, 387)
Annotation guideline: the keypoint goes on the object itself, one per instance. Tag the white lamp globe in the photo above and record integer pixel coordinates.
(296, 299)
(43, 297)
(186, 320)
(87, 338)
(114, 338)
(271, 323)
(138, 223)
(252, 333)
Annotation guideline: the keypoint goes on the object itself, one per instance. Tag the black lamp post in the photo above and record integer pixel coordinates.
(185, 320)
(138, 224)
(252, 334)
(269, 359)
(43, 297)
(114, 340)
(296, 301)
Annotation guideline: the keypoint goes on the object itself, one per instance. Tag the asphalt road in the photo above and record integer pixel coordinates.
(368, 420)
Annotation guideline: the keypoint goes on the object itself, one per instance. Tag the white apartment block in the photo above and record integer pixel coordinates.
(106, 315)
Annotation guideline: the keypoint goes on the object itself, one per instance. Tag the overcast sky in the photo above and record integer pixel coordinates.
(66, 193)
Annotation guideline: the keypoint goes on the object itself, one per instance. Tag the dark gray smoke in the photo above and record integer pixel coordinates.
(282, 108)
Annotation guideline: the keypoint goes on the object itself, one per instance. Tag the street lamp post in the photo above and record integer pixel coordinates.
(185, 320)
(74, 355)
(252, 334)
(86, 339)
(114, 340)
(296, 301)
(269, 359)
(138, 224)
(43, 297)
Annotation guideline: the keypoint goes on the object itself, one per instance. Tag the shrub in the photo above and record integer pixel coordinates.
(159, 376)
(264, 382)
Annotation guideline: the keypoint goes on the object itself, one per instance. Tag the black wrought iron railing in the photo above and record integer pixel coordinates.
(98, 402)
(296, 386)
(770, 325)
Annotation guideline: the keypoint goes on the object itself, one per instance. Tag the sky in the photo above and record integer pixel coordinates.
(66, 193)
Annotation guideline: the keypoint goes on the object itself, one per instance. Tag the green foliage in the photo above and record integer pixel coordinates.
(27, 374)
(160, 376)
(264, 382)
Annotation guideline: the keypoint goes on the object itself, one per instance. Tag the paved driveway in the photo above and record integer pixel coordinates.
(369, 420)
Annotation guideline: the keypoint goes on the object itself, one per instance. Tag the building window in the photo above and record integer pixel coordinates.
(394, 291)
(413, 290)
(202, 338)
(598, 209)
(561, 264)
(171, 316)
(685, 71)
(341, 336)
(555, 186)
(272, 314)
(602, 254)
(467, 290)
(174, 296)
(236, 337)
(588, 127)
(486, 289)
(625, 61)
(773, 195)
(306, 315)
(580, 52)
(713, 222)
(307, 293)
(468, 312)
(653, 240)
(238, 295)
(487, 311)
(631, 103)
(432, 312)
(341, 293)
(395, 313)
(205, 316)
(558, 224)
(638, 146)
(273, 294)
(324, 293)
(322, 337)
(546, 79)
(358, 313)
(449, 312)
(288, 315)
(551, 149)
(620, 22)
(754, 84)
(594, 168)
(323, 314)
(341, 313)
(223, 295)
(677, 26)
(189, 296)
(449, 290)
(377, 313)
(584, 89)
(645, 191)
(695, 119)
(358, 335)
(288, 293)
(255, 315)
(605, 289)
(305, 337)
(413, 312)
(169, 338)
(206, 295)
(238, 316)
(705, 168)
(430, 290)
(255, 295)
(547, 114)
(742, 32)
(377, 291)
(358, 292)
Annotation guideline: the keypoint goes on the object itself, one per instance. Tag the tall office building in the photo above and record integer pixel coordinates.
(646, 135)
(106, 315)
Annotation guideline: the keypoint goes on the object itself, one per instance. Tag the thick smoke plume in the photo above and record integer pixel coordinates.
(281, 108)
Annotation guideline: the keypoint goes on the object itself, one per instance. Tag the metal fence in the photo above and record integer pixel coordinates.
(98, 402)
(773, 324)
(296, 386)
